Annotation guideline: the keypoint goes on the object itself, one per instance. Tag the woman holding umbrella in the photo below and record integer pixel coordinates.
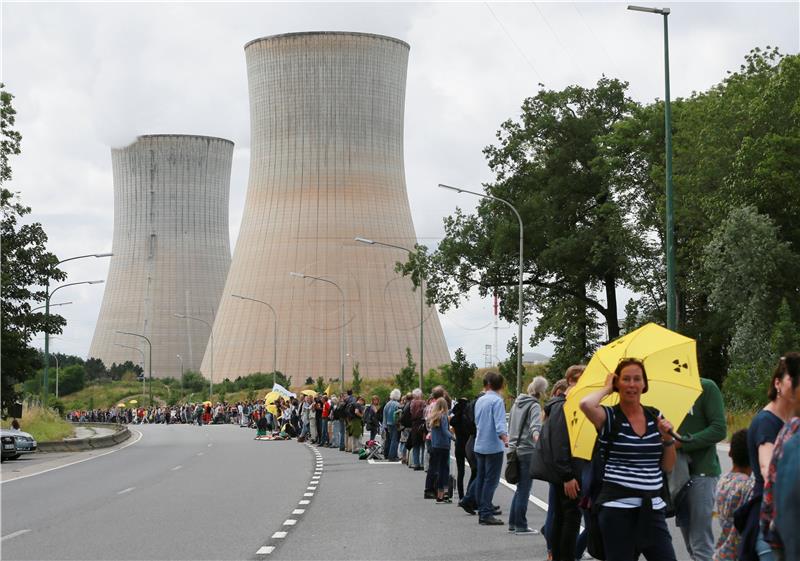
(639, 446)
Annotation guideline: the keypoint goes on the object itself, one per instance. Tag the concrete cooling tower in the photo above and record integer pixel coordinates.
(326, 117)
(171, 250)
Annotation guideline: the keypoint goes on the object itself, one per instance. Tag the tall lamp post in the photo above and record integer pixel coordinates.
(56, 357)
(47, 313)
(521, 240)
(141, 352)
(180, 358)
(47, 328)
(341, 337)
(672, 308)
(149, 361)
(274, 333)
(211, 331)
(421, 302)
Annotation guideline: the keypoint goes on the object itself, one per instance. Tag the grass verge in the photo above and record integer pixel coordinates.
(44, 426)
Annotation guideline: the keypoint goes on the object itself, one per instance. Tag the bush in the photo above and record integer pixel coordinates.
(193, 381)
(407, 379)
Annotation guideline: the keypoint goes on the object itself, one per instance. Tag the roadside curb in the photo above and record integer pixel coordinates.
(299, 511)
(121, 434)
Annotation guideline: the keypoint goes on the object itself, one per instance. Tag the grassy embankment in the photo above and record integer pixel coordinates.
(43, 425)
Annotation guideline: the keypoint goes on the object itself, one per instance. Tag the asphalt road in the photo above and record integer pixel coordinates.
(181, 492)
(188, 492)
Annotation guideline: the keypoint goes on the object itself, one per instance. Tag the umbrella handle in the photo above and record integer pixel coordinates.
(679, 438)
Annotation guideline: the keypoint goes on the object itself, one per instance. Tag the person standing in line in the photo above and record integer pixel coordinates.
(491, 439)
(733, 490)
(525, 424)
(761, 434)
(355, 427)
(392, 437)
(705, 425)
(440, 447)
(371, 420)
(780, 515)
(326, 412)
(462, 432)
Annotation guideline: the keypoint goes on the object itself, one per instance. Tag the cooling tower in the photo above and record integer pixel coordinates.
(171, 250)
(326, 117)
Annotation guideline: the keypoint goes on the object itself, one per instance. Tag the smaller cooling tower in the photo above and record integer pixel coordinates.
(171, 250)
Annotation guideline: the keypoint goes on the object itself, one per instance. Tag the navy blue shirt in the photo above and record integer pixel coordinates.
(440, 436)
(764, 428)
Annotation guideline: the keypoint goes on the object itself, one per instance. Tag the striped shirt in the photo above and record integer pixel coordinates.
(634, 462)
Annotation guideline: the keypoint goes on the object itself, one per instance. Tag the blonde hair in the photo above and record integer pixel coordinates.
(436, 411)
(573, 373)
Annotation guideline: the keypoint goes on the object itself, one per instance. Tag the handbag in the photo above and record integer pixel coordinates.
(512, 461)
(540, 468)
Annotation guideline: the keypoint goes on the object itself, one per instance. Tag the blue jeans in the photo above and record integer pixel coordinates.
(439, 468)
(392, 440)
(416, 455)
(551, 510)
(698, 534)
(763, 549)
(518, 513)
(323, 438)
(336, 433)
(342, 434)
(485, 484)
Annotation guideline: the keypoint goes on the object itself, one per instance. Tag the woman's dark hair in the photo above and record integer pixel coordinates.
(624, 363)
(738, 453)
(788, 364)
(493, 380)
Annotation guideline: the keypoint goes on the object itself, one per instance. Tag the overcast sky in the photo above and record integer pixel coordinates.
(88, 76)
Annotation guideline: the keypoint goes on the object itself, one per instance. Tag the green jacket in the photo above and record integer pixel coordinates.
(706, 424)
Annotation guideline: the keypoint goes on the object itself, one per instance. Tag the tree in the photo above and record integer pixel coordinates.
(193, 382)
(549, 165)
(356, 384)
(785, 333)
(460, 373)
(26, 264)
(71, 379)
(117, 371)
(508, 367)
(406, 379)
(95, 369)
(319, 385)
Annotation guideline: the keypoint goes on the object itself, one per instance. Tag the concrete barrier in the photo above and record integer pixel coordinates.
(121, 434)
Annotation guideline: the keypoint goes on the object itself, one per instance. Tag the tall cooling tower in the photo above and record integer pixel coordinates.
(171, 250)
(326, 117)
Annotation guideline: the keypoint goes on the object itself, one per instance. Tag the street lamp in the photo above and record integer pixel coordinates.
(211, 331)
(56, 357)
(47, 313)
(672, 316)
(149, 361)
(140, 352)
(51, 305)
(180, 358)
(521, 240)
(421, 301)
(341, 338)
(47, 327)
(274, 333)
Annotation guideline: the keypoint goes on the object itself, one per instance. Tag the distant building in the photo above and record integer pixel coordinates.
(534, 358)
(326, 166)
(171, 250)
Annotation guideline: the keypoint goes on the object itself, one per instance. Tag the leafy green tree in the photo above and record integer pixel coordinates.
(356, 384)
(26, 263)
(117, 371)
(71, 379)
(95, 369)
(508, 367)
(459, 374)
(785, 332)
(406, 379)
(549, 165)
(193, 381)
(309, 381)
(319, 385)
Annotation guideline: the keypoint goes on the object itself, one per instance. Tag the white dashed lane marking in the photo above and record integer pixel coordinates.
(304, 502)
(290, 522)
(176, 468)
(279, 535)
(128, 490)
(14, 534)
(265, 550)
(298, 511)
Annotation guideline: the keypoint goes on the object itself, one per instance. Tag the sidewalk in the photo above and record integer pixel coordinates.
(376, 511)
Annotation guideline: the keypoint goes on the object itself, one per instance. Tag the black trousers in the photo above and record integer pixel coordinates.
(616, 525)
(565, 527)
(461, 456)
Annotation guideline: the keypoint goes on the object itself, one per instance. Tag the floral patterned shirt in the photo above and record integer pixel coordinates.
(733, 490)
(768, 502)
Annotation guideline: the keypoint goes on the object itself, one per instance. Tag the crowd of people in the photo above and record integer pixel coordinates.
(643, 470)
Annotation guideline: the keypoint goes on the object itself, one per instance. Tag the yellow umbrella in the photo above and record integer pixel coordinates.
(207, 403)
(270, 400)
(312, 393)
(328, 390)
(120, 405)
(133, 401)
(673, 379)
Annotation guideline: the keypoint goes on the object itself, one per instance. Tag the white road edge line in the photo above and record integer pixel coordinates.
(279, 535)
(304, 502)
(289, 522)
(128, 490)
(75, 462)
(298, 511)
(14, 534)
(308, 494)
(265, 550)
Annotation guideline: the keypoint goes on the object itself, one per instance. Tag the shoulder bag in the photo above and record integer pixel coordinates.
(512, 461)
